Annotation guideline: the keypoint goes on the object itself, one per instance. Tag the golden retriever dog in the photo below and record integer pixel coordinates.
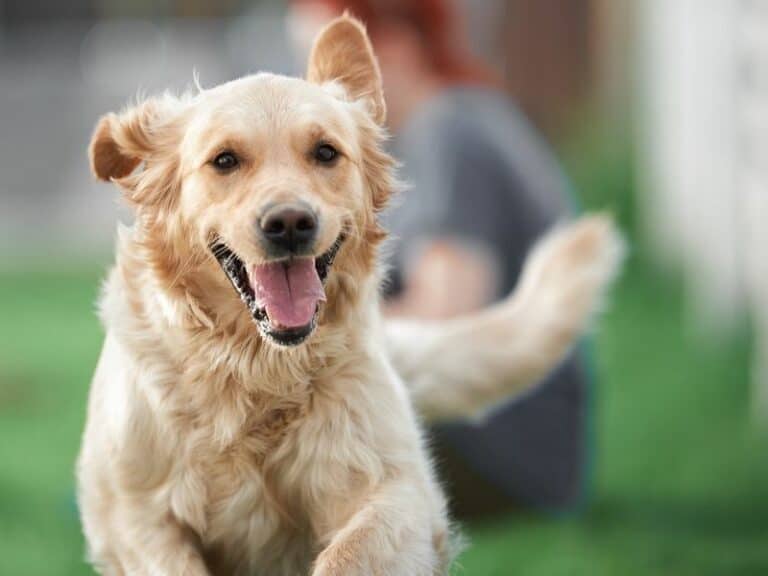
(251, 412)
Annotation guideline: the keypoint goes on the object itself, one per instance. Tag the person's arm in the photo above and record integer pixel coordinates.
(447, 277)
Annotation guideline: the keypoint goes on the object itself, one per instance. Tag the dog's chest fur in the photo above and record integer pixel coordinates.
(240, 489)
(222, 485)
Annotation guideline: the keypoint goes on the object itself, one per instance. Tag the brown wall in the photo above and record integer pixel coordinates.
(547, 46)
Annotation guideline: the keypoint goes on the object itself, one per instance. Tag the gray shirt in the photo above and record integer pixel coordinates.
(479, 172)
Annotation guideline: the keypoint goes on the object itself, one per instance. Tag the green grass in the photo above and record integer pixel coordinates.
(681, 486)
(49, 341)
(681, 483)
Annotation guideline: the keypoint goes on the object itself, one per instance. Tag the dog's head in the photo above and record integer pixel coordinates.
(269, 182)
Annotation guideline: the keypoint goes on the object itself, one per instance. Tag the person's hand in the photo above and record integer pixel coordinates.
(447, 277)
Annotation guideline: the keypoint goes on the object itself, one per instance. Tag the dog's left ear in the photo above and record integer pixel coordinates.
(343, 52)
(123, 141)
(145, 133)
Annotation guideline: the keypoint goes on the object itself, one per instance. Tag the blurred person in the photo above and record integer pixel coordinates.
(482, 187)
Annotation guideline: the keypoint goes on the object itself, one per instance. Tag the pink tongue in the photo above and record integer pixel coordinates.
(289, 291)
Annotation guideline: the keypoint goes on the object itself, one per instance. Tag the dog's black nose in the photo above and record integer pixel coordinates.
(290, 228)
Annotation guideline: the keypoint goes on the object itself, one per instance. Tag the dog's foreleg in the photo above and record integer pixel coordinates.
(461, 367)
(394, 533)
(148, 545)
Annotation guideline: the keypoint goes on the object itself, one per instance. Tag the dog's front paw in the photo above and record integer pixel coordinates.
(334, 562)
(350, 556)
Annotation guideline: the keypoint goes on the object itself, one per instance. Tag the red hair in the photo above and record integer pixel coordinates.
(437, 26)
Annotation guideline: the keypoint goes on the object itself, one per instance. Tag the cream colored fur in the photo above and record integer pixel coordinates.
(208, 450)
(459, 368)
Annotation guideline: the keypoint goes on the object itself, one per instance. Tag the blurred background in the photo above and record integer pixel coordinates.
(658, 109)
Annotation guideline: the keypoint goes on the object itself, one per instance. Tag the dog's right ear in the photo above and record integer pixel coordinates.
(342, 52)
(123, 141)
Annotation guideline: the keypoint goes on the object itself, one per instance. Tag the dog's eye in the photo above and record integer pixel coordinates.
(225, 162)
(325, 153)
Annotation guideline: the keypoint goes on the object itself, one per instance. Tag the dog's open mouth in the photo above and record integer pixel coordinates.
(282, 296)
